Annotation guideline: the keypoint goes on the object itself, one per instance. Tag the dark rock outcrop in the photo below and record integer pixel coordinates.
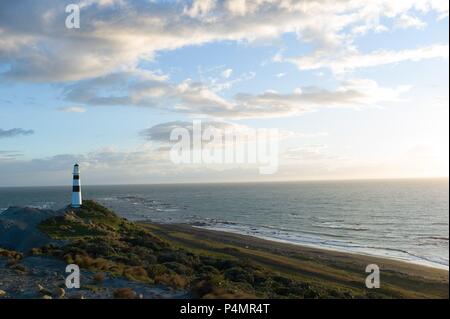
(18, 228)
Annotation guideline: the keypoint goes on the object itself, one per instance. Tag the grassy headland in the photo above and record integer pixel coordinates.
(212, 264)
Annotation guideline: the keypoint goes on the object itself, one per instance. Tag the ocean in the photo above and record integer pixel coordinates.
(400, 219)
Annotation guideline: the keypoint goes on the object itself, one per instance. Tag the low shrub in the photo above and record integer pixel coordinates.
(179, 268)
(156, 270)
(136, 273)
(99, 277)
(10, 254)
(207, 269)
(172, 280)
(238, 274)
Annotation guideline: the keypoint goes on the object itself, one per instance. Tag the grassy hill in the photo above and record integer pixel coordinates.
(210, 266)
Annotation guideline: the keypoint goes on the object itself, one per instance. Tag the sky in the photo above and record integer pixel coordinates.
(356, 89)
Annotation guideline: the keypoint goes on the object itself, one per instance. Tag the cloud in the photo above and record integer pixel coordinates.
(365, 28)
(241, 7)
(227, 73)
(148, 161)
(144, 89)
(348, 60)
(140, 88)
(112, 166)
(103, 166)
(72, 109)
(354, 93)
(9, 155)
(14, 132)
(118, 35)
(223, 81)
(200, 8)
(407, 21)
(311, 152)
(101, 3)
(160, 133)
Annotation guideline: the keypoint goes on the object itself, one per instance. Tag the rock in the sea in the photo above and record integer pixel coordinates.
(2, 293)
(46, 297)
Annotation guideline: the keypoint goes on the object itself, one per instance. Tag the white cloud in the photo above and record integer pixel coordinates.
(352, 59)
(227, 73)
(145, 90)
(101, 3)
(310, 153)
(244, 7)
(200, 8)
(72, 109)
(353, 93)
(117, 35)
(363, 29)
(407, 21)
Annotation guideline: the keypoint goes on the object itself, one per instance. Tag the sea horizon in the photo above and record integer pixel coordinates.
(243, 182)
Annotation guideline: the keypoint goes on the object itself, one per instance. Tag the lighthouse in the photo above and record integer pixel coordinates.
(76, 188)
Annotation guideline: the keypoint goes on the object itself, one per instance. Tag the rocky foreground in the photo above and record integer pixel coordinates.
(27, 271)
(121, 259)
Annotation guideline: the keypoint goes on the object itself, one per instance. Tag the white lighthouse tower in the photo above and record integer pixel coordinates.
(76, 189)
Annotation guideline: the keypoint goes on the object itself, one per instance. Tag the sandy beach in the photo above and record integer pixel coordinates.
(399, 279)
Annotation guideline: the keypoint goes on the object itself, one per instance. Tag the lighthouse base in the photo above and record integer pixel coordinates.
(76, 200)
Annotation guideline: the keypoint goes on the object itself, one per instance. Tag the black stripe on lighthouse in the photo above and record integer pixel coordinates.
(76, 189)
(76, 177)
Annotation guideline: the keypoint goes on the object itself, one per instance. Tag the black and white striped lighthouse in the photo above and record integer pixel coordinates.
(76, 188)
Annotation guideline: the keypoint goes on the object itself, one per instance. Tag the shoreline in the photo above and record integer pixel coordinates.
(419, 261)
(316, 263)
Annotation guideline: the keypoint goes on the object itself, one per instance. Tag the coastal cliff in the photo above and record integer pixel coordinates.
(123, 259)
